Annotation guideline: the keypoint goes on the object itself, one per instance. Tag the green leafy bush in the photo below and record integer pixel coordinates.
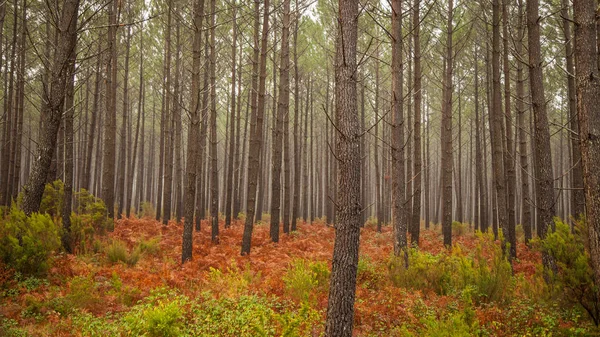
(26, 242)
(233, 282)
(117, 252)
(574, 280)
(459, 228)
(83, 294)
(303, 277)
(160, 315)
(367, 273)
(151, 246)
(53, 199)
(147, 210)
(454, 273)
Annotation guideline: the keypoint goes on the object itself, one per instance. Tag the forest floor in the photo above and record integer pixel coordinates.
(281, 289)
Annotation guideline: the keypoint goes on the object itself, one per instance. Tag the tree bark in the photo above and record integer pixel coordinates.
(543, 155)
(587, 78)
(256, 136)
(340, 309)
(52, 110)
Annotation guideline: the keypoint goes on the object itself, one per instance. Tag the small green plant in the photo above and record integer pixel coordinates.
(27, 242)
(574, 281)
(233, 282)
(367, 273)
(151, 246)
(52, 199)
(117, 252)
(459, 228)
(147, 210)
(160, 315)
(303, 277)
(83, 294)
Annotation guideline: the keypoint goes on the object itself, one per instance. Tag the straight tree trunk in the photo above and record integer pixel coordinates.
(193, 141)
(169, 123)
(214, 167)
(543, 155)
(278, 124)
(446, 133)
(416, 209)
(577, 194)
(232, 124)
(256, 136)
(521, 110)
(340, 308)
(398, 177)
(123, 153)
(52, 110)
(587, 78)
(509, 157)
(110, 123)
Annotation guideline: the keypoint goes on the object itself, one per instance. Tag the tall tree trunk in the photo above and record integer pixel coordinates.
(214, 167)
(521, 111)
(509, 156)
(543, 155)
(416, 211)
(169, 123)
(232, 124)
(587, 78)
(397, 139)
(193, 134)
(123, 153)
(53, 109)
(278, 124)
(446, 133)
(256, 136)
(340, 309)
(577, 194)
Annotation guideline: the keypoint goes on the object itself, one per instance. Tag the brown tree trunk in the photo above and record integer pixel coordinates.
(193, 134)
(509, 156)
(52, 111)
(229, 194)
(278, 124)
(123, 153)
(397, 139)
(214, 167)
(340, 308)
(521, 110)
(446, 133)
(543, 155)
(256, 136)
(168, 128)
(587, 78)
(416, 209)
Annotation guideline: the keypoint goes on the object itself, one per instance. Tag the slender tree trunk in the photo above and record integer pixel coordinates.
(521, 111)
(416, 209)
(193, 142)
(543, 155)
(278, 124)
(169, 123)
(587, 78)
(340, 309)
(214, 181)
(397, 147)
(509, 157)
(256, 136)
(446, 133)
(52, 110)
(229, 195)
(123, 153)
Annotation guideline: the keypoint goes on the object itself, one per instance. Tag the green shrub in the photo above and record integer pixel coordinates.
(117, 252)
(83, 294)
(160, 315)
(459, 228)
(52, 199)
(26, 242)
(455, 273)
(233, 282)
(574, 280)
(303, 277)
(151, 246)
(147, 210)
(367, 273)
